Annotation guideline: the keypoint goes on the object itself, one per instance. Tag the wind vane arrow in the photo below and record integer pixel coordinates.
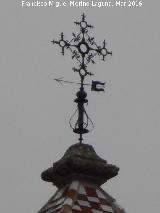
(95, 86)
(60, 80)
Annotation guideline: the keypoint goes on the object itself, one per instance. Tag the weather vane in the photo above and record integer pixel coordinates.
(83, 49)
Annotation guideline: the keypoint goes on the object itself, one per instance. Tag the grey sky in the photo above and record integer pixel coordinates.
(35, 110)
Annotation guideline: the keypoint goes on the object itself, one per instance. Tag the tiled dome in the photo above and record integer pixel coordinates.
(83, 197)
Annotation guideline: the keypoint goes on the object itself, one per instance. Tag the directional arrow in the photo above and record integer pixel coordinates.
(60, 80)
(95, 86)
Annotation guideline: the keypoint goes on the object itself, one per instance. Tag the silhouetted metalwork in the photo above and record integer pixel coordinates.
(83, 49)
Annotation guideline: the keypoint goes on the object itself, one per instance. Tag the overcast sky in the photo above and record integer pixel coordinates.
(35, 110)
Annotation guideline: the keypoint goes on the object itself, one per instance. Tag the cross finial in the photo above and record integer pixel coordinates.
(83, 49)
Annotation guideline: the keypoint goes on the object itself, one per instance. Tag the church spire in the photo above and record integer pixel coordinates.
(79, 174)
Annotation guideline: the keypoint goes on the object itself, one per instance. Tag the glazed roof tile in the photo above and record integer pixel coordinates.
(81, 197)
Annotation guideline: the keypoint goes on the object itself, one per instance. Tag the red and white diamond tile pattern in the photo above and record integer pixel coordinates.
(80, 197)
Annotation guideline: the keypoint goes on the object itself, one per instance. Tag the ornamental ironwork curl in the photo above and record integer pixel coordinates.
(83, 47)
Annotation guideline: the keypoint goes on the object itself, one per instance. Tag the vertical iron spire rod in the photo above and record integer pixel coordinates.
(81, 115)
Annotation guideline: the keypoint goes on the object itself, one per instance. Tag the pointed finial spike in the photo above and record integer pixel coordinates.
(83, 17)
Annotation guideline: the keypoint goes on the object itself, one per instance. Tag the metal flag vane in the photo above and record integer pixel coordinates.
(83, 49)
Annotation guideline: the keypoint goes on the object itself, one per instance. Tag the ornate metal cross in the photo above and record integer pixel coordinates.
(83, 49)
